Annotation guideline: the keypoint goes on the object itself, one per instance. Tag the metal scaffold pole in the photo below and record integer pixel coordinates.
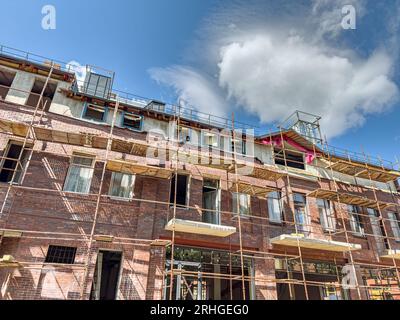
(98, 200)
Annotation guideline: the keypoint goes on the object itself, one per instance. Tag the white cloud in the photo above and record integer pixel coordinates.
(193, 88)
(273, 77)
(272, 58)
(78, 69)
(326, 16)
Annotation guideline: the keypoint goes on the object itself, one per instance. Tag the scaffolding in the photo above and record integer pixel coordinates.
(291, 252)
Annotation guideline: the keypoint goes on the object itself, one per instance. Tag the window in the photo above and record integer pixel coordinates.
(275, 206)
(181, 190)
(6, 80)
(59, 254)
(156, 106)
(211, 201)
(394, 223)
(326, 216)
(355, 220)
(48, 94)
(79, 174)
(238, 145)
(293, 159)
(95, 113)
(122, 185)
(132, 121)
(377, 229)
(300, 210)
(184, 134)
(10, 162)
(243, 200)
(209, 138)
(201, 262)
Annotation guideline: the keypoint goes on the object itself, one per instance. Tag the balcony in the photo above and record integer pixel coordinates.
(391, 254)
(294, 240)
(202, 228)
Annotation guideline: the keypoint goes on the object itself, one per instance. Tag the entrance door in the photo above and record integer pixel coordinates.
(105, 281)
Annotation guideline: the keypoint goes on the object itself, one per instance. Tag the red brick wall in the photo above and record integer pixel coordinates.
(141, 278)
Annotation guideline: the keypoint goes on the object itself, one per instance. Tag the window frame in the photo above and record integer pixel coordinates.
(213, 133)
(217, 189)
(187, 196)
(132, 187)
(233, 146)
(284, 156)
(356, 217)
(85, 108)
(270, 204)
(330, 218)
(305, 228)
(123, 113)
(394, 223)
(71, 164)
(47, 257)
(11, 142)
(180, 136)
(234, 208)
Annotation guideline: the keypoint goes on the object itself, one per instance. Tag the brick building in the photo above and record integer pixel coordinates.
(105, 195)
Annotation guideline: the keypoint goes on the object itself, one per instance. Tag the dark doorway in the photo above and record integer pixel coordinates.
(105, 281)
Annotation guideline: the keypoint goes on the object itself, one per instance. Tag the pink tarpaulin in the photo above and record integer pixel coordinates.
(277, 141)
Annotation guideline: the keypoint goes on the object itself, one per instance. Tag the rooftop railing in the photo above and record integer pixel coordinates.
(185, 111)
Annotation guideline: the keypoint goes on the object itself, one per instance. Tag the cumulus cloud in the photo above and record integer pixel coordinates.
(78, 69)
(271, 58)
(326, 16)
(193, 88)
(272, 78)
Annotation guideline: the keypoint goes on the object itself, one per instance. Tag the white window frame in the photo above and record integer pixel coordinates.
(71, 164)
(304, 227)
(234, 207)
(188, 182)
(217, 211)
(272, 202)
(355, 221)
(328, 221)
(395, 225)
(132, 186)
(210, 133)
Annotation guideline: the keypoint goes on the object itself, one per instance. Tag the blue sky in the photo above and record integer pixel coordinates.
(259, 59)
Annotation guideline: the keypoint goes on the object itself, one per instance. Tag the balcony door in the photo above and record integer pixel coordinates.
(211, 201)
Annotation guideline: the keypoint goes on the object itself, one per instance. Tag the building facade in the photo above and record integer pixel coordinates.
(109, 196)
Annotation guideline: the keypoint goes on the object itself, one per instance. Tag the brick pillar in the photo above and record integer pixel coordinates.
(155, 276)
(265, 271)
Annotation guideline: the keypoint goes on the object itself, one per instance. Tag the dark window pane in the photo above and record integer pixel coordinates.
(59, 254)
(181, 190)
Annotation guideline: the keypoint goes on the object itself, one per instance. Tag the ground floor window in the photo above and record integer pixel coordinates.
(202, 274)
(381, 284)
(323, 280)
